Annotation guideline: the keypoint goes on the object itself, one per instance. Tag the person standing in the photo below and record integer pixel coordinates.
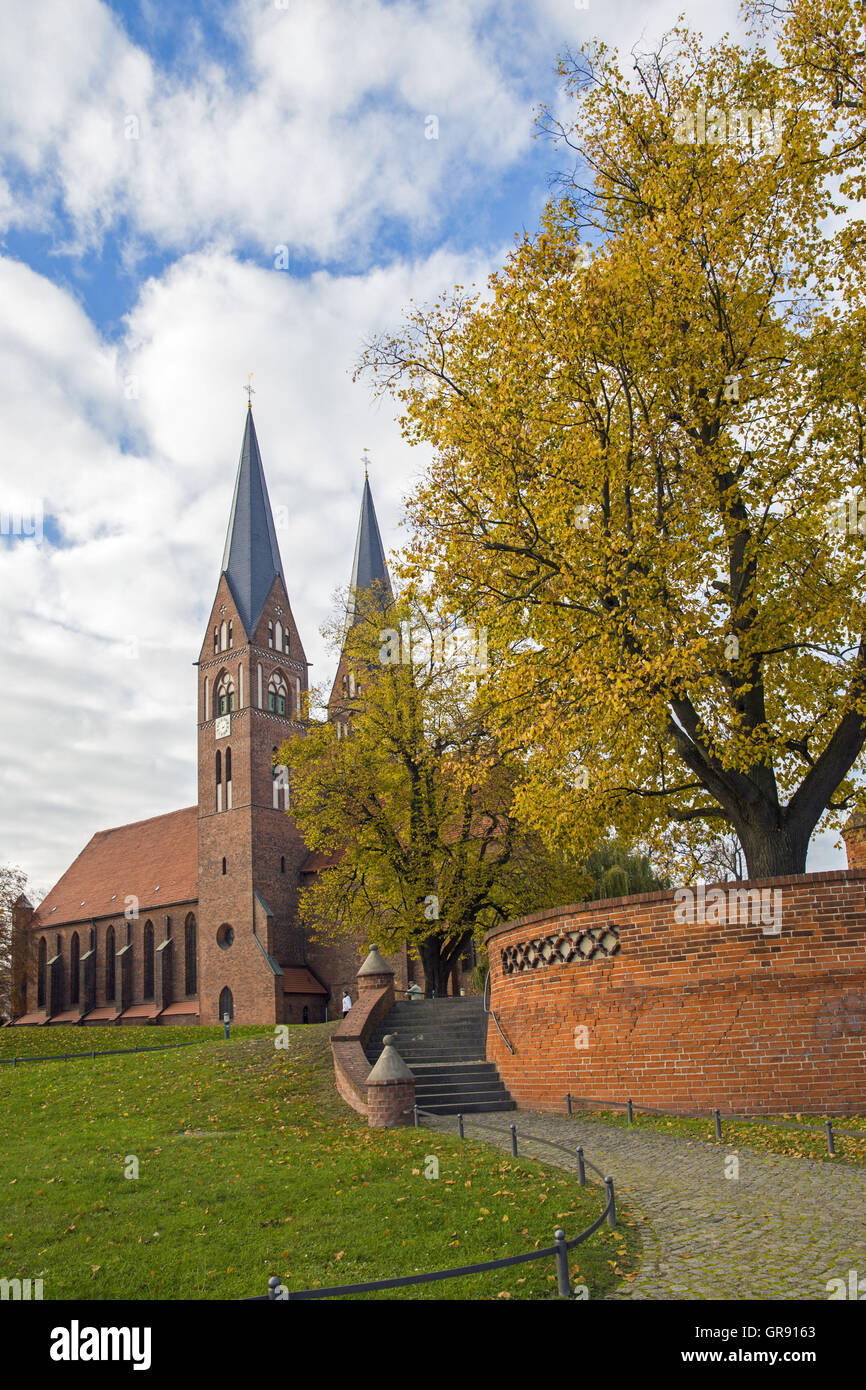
(347, 1002)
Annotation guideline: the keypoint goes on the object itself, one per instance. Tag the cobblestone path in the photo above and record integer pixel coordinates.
(780, 1230)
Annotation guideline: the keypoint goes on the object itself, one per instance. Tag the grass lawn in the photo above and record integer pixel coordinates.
(849, 1133)
(249, 1165)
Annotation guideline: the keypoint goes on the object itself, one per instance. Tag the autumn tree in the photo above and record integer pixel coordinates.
(648, 448)
(415, 805)
(13, 882)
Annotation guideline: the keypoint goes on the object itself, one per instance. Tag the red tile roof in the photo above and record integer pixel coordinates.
(154, 860)
(297, 980)
(190, 1007)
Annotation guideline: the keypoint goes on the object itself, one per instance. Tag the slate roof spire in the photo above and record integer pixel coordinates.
(369, 566)
(251, 559)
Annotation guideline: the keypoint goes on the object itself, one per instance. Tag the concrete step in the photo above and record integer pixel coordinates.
(472, 1107)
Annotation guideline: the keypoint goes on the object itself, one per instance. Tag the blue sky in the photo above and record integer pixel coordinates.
(154, 160)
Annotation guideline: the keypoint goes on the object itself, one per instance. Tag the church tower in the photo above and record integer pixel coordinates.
(369, 577)
(252, 683)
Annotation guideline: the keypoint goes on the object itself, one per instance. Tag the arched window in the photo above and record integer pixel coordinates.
(228, 779)
(42, 961)
(278, 636)
(74, 968)
(282, 863)
(223, 635)
(224, 865)
(277, 696)
(224, 694)
(286, 644)
(345, 687)
(219, 780)
(231, 639)
(110, 965)
(190, 974)
(205, 688)
(147, 989)
(270, 634)
(351, 684)
(306, 1015)
(226, 1004)
(216, 640)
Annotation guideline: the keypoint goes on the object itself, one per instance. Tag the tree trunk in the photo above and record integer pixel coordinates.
(772, 851)
(438, 956)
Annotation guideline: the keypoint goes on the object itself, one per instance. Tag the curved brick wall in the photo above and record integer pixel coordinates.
(689, 1014)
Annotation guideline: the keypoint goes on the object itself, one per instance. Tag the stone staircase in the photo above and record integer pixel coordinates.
(443, 1042)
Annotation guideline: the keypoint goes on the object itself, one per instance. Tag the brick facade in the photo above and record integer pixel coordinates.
(623, 998)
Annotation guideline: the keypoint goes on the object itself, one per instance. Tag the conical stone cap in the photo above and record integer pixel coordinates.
(390, 1066)
(375, 965)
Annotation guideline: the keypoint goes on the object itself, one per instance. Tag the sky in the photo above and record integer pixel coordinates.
(190, 194)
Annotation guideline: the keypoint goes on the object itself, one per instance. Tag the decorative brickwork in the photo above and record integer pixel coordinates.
(689, 1015)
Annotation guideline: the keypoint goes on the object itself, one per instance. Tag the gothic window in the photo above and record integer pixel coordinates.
(219, 780)
(224, 694)
(223, 635)
(216, 640)
(352, 684)
(286, 647)
(224, 865)
(282, 863)
(277, 694)
(147, 987)
(110, 965)
(278, 636)
(190, 975)
(270, 634)
(226, 1004)
(281, 784)
(228, 779)
(40, 971)
(231, 640)
(74, 968)
(205, 697)
(345, 687)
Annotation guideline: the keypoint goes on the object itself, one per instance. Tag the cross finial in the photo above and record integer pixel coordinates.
(250, 390)
(365, 461)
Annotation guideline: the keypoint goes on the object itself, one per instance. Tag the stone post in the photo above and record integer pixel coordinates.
(390, 1090)
(375, 973)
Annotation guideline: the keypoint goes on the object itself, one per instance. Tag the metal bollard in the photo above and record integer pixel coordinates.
(831, 1147)
(718, 1120)
(415, 1110)
(460, 1126)
(611, 1216)
(568, 1101)
(514, 1140)
(581, 1170)
(629, 1112)
(562, 1264)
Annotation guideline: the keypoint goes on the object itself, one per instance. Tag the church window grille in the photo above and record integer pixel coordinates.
(110, 966)
(190, 972)
(224, 694)
(147, 987)
(74, 968)
(40, 971)
(277, 694)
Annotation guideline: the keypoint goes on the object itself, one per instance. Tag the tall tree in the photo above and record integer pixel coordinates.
(415, 805)
(648, 444)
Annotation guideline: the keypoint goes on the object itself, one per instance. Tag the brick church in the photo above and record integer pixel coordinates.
(193, 915)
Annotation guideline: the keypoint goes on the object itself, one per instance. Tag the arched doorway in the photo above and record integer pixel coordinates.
(226, 1004)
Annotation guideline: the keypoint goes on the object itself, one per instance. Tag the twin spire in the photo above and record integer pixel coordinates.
(251, 559)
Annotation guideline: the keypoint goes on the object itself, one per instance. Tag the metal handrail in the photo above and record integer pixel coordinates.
(490, 1011)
